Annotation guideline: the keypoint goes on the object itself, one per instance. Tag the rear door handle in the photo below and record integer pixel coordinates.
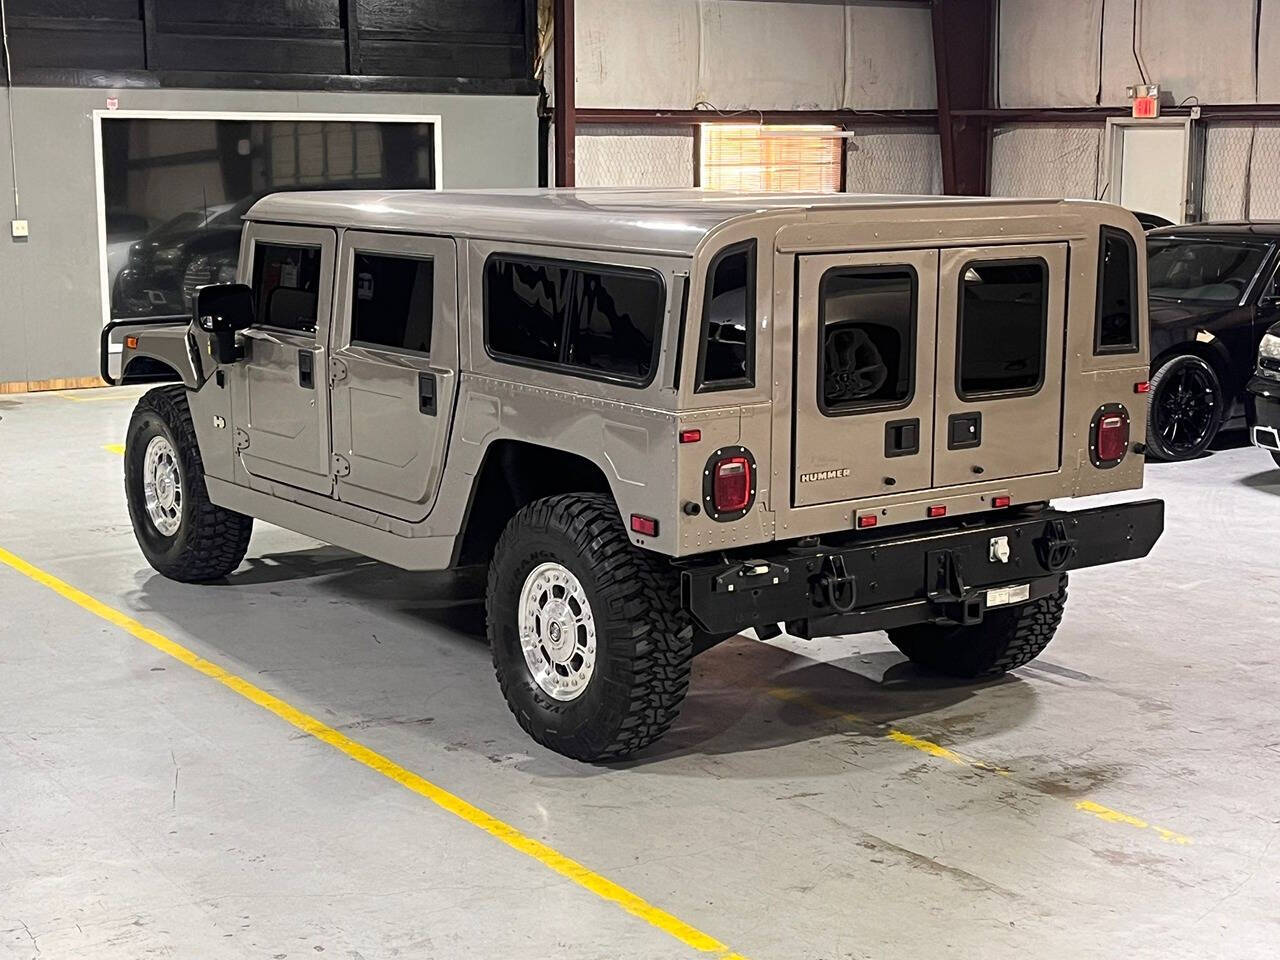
(306, 369)
(427, 394)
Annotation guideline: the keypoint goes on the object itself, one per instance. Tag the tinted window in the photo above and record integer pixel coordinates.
(727, 350)
(286, 286)
(579, 316)
(1003, 314)
(867, 325)
(1117, 319)
(1215, 270)
(392, 302)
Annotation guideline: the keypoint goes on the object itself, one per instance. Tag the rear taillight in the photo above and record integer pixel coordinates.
(1109, 435)
(731, 484)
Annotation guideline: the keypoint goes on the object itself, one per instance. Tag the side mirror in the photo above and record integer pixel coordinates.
(222, 310)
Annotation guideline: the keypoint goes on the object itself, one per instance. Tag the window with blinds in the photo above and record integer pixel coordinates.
(769, 158)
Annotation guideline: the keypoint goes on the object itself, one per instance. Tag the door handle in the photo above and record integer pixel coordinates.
(427, 394)
(306, 369)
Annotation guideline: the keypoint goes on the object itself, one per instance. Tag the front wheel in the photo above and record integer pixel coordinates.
(590, 644)
(1006, 639)
(1186, 408)
(182, 534)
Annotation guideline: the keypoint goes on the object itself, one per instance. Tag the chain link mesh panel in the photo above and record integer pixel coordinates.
(894, 160)
(631, 156)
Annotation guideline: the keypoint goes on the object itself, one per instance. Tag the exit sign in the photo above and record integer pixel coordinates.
(1145, 98)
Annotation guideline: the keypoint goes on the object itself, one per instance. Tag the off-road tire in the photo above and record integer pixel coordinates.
(644, 641)
(1157, 448)
(210, 541)
(1004, 640)
(1276, 457)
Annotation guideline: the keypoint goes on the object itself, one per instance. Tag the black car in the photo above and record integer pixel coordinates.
(1213, 293)
(1263, 402)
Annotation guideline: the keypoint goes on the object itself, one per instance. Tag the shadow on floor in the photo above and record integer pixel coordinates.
(745, 695)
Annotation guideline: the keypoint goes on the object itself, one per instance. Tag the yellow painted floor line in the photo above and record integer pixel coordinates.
(570, 869)
(1106, 814)
(116, 448)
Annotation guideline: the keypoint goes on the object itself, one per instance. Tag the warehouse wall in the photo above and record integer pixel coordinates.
(50, 296)
(753, 55)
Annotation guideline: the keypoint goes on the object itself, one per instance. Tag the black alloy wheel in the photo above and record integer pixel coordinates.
(1186, 408)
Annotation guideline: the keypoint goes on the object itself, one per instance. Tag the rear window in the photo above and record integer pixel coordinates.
(726, 350)
(867, 324)
(286, 286)
(1003, 325)
(590, 320)
(1117, 317)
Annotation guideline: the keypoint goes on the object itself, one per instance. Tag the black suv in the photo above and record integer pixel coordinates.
(1213, 294)
(1263, 404)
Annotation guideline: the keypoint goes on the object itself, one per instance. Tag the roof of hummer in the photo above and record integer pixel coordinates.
(638, 220)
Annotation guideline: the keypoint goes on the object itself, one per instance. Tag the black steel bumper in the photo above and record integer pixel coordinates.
(1262, 407)
(932, 575)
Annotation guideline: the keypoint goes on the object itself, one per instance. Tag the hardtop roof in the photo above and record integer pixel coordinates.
(656, 221)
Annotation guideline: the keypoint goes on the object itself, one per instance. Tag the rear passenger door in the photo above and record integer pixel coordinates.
(1001, 316)
(393, 370)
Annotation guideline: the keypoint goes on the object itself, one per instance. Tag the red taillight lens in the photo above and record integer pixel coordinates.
(644, 525)
(937, 511)
(866, 520)
(1142, 386)
(731, 484)
(690, 436)
(1113, 437)
(1000, 502)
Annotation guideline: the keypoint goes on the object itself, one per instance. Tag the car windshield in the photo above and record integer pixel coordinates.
(1215, 270)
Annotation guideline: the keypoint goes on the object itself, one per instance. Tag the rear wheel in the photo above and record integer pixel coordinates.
(1186, 408)
(590, 644)
(182, 534)
(1006, 639)
(1276, 458)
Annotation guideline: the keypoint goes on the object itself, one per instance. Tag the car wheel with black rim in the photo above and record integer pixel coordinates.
(182, 534)
(590, 644)
(1186, 408)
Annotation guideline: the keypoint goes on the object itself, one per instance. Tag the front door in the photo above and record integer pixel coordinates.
(280, 394)
(864, 372)
(1001, 316)
(394, 370)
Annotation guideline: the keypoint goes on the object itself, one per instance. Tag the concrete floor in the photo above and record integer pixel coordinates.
(800, 809)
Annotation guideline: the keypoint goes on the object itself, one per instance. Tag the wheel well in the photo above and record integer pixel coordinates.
(514, 474)
(141, 369)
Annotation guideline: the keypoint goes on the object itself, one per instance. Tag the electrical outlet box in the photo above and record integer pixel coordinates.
(19, 229)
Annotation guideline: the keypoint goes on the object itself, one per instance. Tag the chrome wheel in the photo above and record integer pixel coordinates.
(162, 486)
(557, 631)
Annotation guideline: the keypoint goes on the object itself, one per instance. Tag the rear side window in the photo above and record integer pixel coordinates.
(391, 302)
(286, 286)
(1004, 315)
(867, 323)
(1117, 319)
(727, 348)
(588, 319)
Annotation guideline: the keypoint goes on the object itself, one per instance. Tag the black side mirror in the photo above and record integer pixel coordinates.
(222, 310)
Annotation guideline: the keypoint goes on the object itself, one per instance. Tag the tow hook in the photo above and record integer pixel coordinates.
(1055, 548)
(839, 587)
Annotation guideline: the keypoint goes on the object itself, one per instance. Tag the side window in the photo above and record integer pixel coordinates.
(1117, 318)
(392, 301)
(727, 348)
(867, 324)
(286, 286)
(582, 317)
(1003, 327)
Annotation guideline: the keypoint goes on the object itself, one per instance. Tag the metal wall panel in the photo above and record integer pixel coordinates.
(1046, 160)
(894, 160)
(629, 156)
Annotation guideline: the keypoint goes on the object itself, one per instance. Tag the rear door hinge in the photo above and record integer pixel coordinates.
(341, 466)
(242, 439)
(337, 370)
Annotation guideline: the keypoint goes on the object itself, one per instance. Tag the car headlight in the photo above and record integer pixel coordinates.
(1270, 346)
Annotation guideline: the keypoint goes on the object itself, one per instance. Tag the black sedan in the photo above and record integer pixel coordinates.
(1264, 396)
(1213, 294)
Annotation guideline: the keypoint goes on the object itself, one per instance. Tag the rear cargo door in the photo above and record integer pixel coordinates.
(864, 375)
(1001, 315)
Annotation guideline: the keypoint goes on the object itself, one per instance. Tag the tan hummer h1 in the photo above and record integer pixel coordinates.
(661, 418)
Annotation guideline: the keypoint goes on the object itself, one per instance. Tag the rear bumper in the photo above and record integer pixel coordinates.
(1262, 407)
(940, 576)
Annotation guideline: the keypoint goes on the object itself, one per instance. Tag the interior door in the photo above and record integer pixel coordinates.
(864, 371)
(394, 370)
(1001, 315)
(280, 395)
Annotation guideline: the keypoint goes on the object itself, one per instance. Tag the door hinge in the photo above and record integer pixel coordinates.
(337, 370)
(341, 466)
(242, 439)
